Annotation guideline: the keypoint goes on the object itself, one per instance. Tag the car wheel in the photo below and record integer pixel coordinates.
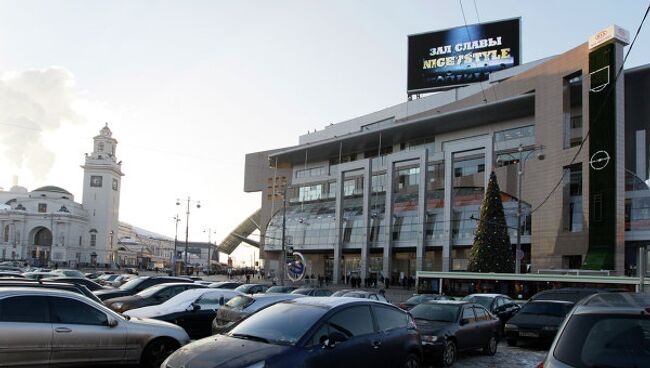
(491, 347)
(448, 354)
(412, 361)
(511, 342)
(156, 352)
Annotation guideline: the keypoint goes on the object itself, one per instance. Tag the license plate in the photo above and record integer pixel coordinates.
(528, 334)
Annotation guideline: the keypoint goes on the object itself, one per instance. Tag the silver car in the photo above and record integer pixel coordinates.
(40, 327)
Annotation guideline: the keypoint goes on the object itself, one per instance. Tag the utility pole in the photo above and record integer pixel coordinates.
(283, 256)
(187, 226)
(175, 254)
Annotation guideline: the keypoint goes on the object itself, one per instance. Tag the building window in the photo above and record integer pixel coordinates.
(515, 133)
(42, 207)
(93, 240)
(572, 262)
(314, 171)
(573, 198)
(310, 193)
(100, 147)
(114, 184)
(5, 235)
(96, 181)
(79, 241)
(572, 107)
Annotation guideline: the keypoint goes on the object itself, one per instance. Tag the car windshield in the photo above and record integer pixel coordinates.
(547, 309)
(281, 324)
(340, 293)
(415, 299)
(605, 340)
(278, 289)
(132, 284)
(240, 302)
(301, 291)
(146, 293)
(243, 288)
(485, 301)
(435, 312)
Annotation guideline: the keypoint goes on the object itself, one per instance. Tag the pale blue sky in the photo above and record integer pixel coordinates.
(189, 87)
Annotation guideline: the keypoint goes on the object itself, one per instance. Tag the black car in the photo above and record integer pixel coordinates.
(225, 285)
(421, 298)
(252, 288)
(537, 321)
(311, 332)
(91, 285)
(500, 305)
(75, 288)
(312, 292)
(280, 289)
(447, 327)
(154, 295)
(573, 295)
(137, 285)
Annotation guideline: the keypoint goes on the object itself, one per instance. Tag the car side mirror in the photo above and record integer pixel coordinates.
(112, 323)
(464, 321)
(333, 339)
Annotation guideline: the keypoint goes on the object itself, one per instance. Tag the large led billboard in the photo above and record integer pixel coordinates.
(462, 55)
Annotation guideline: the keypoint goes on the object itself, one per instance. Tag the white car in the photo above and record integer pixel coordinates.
(193, 310)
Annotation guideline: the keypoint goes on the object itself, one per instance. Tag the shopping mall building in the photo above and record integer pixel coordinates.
(399, 189)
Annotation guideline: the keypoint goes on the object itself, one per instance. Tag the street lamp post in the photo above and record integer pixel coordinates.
(283, 256)
(521, 167)
(187, 225)
(210, 232)
(177, 219)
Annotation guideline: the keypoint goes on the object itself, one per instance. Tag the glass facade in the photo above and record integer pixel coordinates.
(468, 186)
(434, 226)
(406, 179)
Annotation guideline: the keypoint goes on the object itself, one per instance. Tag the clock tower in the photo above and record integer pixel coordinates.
(101, 198)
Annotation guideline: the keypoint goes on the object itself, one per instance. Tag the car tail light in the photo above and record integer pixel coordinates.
(403, 306)
(540, 365)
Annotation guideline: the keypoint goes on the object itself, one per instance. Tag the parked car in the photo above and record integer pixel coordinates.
(243, 306)
(97, 274)
(309, 291)
(341, 292)
(37, 275)
(31, 283)
(447, 327)
(11, 274)
(226, 285)
(91, 285)
(573, 295)
(312, 333)
(40, 327)
(500, 305)
(366, 295)
(131, 271)
(421, 298)
(137, 285)
(69, 273)
(280, 289)
(252, 288)
(193, 310)
(106, 279)
(154, 295)
(537, 321)
(121, 280)
(605, 330)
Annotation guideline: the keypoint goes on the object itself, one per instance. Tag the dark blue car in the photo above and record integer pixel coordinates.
(311, 332)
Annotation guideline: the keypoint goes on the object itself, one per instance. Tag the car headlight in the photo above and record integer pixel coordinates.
(510, 326)
(549, 328)
(428, 339)
(117, 306)
(257, 365)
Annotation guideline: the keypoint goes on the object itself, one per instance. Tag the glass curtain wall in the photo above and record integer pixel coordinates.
(435, 217)
(377, 236)
(468, 181)
(406, 178)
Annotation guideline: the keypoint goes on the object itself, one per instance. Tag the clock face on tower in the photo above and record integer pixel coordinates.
(96, 181)
(114, 184)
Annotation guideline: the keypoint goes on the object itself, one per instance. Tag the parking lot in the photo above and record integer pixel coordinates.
(506, 356)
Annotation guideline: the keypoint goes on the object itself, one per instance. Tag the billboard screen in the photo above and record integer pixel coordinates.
(461, 55)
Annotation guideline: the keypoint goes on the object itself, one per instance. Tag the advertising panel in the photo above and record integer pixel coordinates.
(462, 55)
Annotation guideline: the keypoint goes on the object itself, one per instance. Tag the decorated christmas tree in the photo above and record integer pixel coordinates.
(491, 251)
